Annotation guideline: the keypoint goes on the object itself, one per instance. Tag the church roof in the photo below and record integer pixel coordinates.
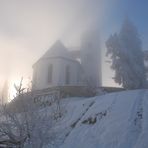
(57, 50)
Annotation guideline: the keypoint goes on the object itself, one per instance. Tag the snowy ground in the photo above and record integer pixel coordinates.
(116, 120)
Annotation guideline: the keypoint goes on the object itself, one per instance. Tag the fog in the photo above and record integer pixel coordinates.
(29, 27)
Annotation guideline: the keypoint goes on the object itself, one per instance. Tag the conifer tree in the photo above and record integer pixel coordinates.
(125, 51)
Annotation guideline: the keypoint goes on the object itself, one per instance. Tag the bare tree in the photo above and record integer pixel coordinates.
(31, 128)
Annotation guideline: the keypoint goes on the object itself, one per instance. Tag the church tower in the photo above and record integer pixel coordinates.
(91, 58)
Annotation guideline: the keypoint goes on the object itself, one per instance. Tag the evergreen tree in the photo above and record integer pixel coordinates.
(125, 50)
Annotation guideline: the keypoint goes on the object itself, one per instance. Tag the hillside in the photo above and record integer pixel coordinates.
(116, 120)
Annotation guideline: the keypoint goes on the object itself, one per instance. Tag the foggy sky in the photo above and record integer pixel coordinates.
(29, 27)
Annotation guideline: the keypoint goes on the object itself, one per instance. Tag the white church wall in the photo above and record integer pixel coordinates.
(91, 58)
(91, 68)
(41, 72)
(40, 76)
(74, 70)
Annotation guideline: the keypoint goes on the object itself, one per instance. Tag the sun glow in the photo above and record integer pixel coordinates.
(12, 89)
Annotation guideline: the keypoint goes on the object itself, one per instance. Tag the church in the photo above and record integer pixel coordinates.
(62, 67)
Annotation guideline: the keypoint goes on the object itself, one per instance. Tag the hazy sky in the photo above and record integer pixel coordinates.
(29, 27)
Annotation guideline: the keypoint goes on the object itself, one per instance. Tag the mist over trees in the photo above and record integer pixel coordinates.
(24, 124)
(125, 50)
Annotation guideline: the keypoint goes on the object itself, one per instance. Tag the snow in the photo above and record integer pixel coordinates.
(121, 121)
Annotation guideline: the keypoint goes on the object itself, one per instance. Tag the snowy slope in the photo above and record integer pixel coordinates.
(116, 120)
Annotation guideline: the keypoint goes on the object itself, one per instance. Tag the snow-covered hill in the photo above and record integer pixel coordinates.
(116, 120)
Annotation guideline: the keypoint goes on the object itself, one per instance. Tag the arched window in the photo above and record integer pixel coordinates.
(34, 76)
(50, 72)
(67, 76)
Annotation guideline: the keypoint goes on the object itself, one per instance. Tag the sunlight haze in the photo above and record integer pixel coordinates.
(29, 27)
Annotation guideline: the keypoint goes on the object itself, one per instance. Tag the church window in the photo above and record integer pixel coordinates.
(67, 74)
(89, 45)
(50, 72)
(35, 76)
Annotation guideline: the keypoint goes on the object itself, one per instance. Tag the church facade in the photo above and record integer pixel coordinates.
(62, 67)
